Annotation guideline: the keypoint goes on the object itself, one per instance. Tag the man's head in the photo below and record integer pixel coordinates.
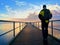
(44, 6)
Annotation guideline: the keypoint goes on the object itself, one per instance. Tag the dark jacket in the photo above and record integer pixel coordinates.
(45, 14)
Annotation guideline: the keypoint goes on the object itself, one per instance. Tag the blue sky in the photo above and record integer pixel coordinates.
(23, 8)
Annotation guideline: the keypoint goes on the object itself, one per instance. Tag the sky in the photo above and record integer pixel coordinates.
(27, 8)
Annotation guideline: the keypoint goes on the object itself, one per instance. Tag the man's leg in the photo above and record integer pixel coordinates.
(42, 25)
(43, 30)
(46, 34)
(46, 29)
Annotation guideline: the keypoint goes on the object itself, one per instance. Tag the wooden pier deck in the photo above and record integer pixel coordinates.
(32, 36)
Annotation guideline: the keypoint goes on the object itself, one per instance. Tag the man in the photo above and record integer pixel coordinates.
(44, 16)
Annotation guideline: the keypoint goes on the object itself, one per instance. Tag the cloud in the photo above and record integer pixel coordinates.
(31, 11)
(35, 8)
(21, 13)
(33, 16)
(15, 13)
(55, 9)
(3, 15)
(20, 3)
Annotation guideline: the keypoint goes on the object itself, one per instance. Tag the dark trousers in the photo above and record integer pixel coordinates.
(44, 26)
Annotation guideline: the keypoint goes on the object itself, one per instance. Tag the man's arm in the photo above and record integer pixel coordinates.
(40, 15)
(50, 16)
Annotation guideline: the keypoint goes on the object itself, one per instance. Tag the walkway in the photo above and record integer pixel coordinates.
(32, 36)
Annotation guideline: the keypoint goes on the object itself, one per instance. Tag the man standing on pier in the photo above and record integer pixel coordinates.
(44, 16)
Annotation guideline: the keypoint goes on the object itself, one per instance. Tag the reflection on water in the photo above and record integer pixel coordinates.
(5, 39)
(4, 27)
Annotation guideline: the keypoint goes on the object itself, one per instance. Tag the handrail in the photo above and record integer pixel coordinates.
(8, 21)
(55, 28)
(25, 22)
(52, 26)
(13, 27)
(54, 20)
(9, 31)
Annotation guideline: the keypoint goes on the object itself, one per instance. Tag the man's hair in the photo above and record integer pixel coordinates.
(44, 6)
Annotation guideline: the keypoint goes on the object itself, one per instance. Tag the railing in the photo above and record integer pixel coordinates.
(54, 28)
(13, 27)
(38, 25)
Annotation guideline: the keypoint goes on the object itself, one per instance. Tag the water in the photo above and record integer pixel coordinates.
(5, 39)
(4, 27)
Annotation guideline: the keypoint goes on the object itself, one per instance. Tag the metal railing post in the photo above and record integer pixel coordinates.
(19, 26)
(14, 29)
(52, 27)
(22, 25)
(38, 24)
